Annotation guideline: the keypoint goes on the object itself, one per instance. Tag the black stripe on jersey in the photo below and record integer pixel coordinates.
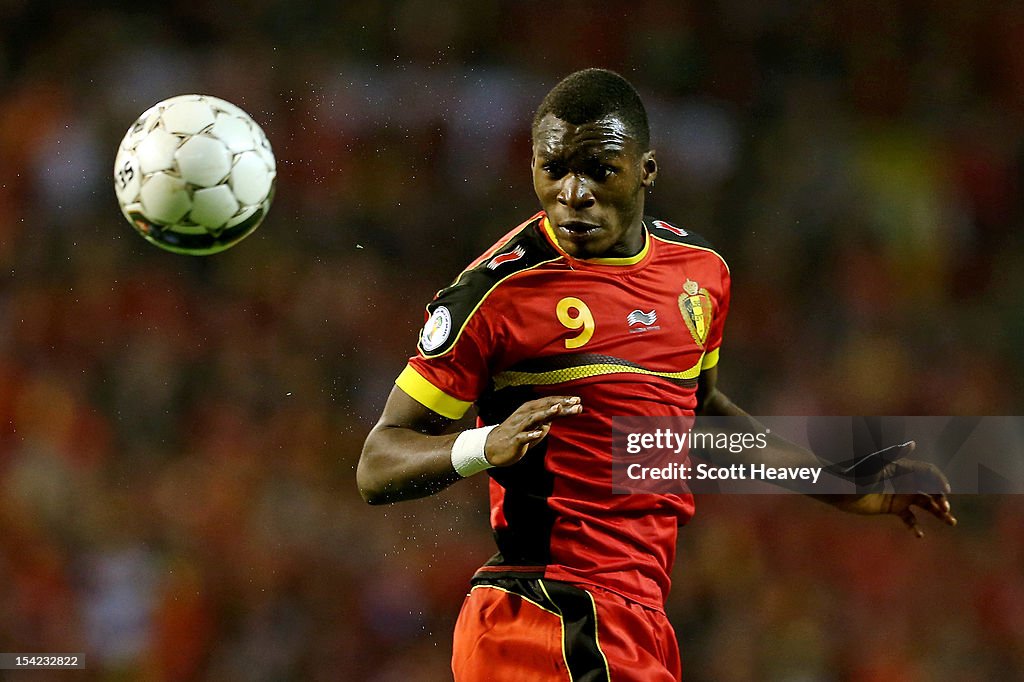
(568, 361)
(526, 540)
(666, 231)
(578, 613)
(464, 296)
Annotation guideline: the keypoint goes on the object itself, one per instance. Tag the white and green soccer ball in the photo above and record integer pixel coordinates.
(194, 174)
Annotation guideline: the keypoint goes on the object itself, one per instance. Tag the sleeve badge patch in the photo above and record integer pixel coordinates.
(436, 330)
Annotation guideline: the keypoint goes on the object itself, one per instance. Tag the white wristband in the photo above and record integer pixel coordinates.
(468, 452)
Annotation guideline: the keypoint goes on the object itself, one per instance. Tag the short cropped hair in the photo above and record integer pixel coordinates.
(592, 94)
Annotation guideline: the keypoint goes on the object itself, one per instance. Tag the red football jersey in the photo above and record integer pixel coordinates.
(630, 336)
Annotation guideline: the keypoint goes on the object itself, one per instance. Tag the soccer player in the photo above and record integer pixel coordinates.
(585, 311)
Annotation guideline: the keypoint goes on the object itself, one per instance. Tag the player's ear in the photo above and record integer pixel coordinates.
(648, 169)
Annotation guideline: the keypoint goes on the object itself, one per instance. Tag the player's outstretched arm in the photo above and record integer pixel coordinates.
(409, 455)
(913, 483)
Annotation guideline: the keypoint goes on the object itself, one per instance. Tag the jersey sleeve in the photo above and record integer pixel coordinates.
(465, 332)
(452, 381)
(452, 367)
(721, 311)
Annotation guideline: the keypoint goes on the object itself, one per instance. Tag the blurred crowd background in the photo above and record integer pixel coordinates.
(178, 436)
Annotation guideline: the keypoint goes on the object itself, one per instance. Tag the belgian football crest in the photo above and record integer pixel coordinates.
(695, 305)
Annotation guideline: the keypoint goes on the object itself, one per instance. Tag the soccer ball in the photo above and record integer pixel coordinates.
(194, 174)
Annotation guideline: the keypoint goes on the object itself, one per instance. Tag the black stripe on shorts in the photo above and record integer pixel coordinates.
(578, 612)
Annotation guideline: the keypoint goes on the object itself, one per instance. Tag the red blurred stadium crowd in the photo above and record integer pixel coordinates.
(178, 436)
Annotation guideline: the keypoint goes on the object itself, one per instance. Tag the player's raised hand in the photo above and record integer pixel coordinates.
(904, 484)
(509, 441)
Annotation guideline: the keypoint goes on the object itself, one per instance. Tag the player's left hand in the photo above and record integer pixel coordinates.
(905, 484)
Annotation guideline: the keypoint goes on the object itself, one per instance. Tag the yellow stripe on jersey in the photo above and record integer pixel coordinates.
(710, 359)
(508, 379)
(430, 396)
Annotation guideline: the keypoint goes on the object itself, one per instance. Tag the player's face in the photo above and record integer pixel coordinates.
(590, 180)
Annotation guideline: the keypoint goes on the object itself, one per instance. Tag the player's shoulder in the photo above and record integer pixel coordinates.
(520, 250)
(670, 233)
(523, 248)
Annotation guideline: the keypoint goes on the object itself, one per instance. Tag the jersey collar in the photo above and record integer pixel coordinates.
(620, 261)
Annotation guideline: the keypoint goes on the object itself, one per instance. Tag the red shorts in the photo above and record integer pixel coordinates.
(534, 630)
